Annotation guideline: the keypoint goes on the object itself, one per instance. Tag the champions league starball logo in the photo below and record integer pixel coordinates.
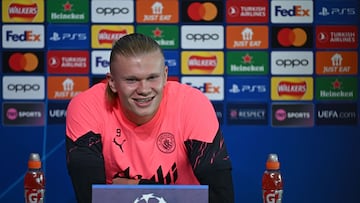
(149, 198)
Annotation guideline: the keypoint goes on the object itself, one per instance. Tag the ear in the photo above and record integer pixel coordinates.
(111, 82)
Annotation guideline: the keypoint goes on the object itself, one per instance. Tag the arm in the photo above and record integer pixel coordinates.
(212, 166)
(85, 164)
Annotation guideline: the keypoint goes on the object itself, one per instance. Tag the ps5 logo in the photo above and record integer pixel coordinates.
(67, 36)
(247, 88)
(337, 11)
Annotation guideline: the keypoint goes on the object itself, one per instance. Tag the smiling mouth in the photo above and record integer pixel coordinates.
(144, 100)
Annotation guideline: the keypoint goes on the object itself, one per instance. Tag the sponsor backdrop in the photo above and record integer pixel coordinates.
(282, 75)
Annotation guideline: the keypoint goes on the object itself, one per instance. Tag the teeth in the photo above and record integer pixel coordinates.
(143, 100)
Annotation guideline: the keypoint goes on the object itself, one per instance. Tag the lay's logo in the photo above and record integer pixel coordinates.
(104, 36)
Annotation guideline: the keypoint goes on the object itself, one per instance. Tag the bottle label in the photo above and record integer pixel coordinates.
(272, 196)
(34, 195)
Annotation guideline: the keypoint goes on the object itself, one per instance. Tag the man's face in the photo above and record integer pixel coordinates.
(139, 82)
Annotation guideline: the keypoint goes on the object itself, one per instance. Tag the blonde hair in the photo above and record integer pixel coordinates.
(129, 46)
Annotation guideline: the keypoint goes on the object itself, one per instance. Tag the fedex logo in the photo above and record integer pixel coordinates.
(100, 61)
(295, 11)
(289, 12)
(23, 36)
(212, 87)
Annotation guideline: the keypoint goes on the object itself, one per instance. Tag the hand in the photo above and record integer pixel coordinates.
(125, 181)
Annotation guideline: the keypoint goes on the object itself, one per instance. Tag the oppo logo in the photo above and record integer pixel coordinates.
(202, 37)
(291, 62)
(111, 11)
(23, 87)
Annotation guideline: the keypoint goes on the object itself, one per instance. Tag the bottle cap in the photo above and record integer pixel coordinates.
(273, 162)
(34, 161)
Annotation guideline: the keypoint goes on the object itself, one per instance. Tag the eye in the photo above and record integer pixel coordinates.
(153, 77)
(131, 80)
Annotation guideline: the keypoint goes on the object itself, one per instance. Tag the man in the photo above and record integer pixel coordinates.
(139, 128)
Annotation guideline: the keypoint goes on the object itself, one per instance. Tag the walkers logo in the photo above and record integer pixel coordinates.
(68, 11)
(167, 36)
(212, 87)
(103, 36)
(337, 63)
(247, 88)
(202, 37)
(23, 62)
(339, 37)
(291, 11)
(205, 12)
(172, 61)
(56, 113)
(291, 88)
(292, 115)
(196, 62)
(336, 88)
(68, 36)
(336, 114)
(292, 37)
(72, 62)
(292, 63)
(247, 11)
(24, 114)
(247, 62)
(18, 11)
(24, 36)
(112, 11)
(157, 11)
(65, 88)
(100, 62)
(23, 87)
(247, 37)
(335, 12)
(247, 114)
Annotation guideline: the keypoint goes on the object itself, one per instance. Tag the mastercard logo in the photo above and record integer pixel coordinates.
(202, 11)
(292, 37)
(23, 62)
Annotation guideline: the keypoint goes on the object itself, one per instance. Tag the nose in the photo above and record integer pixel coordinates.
(143, 88)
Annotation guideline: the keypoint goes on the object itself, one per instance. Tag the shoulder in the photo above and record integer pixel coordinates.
(92, 96)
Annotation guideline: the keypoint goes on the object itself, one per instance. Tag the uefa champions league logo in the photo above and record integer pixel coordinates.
(149, 198)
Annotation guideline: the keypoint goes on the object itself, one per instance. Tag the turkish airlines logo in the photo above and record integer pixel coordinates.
(343, 37)
(291, 88)
(75, 62)
(202, 37)
(210, 11)
(247, 11)
(292, 37)
(112, 12)
(24, 87)
(291, 12)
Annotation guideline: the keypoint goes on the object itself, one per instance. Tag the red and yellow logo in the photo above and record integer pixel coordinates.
(292, 88)
(16, 11)
(103, 36)
(196, 62)
(23, 62)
